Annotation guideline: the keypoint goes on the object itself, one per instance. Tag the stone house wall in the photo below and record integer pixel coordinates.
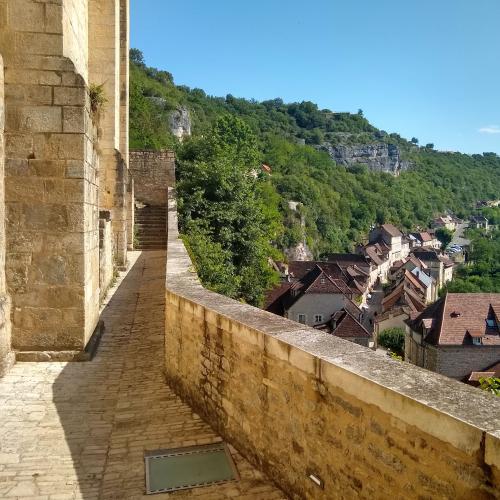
(452, 361)
(52, 173)
(312, 304)
(153, 173)
(299, 403)
(458, 362)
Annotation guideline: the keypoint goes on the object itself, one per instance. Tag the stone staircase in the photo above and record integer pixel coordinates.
(150, 228)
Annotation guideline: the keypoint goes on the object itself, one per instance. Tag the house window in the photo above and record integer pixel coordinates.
(323, 281)
(476, 341)
(318, 318)
(301, 318)
(490, 322)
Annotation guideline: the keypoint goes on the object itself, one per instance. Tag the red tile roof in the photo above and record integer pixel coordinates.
(348, 327)
(461, 316)
(392, 230)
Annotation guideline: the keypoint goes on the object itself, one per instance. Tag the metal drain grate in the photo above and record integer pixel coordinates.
(190, 467)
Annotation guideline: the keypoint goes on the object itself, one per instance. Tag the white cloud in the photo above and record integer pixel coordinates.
(491, 129)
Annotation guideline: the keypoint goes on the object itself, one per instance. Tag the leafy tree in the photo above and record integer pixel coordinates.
(228, 231)
(429, 145)
(137, 57)
(414, 140)
(491, 385)
(445, 236)
(393, 339)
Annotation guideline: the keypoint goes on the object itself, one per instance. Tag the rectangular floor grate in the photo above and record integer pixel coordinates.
(189, 467)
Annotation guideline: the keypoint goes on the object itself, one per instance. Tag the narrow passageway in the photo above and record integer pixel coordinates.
(79, 430)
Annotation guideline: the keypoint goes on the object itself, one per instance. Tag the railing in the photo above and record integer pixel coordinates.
(322, 417)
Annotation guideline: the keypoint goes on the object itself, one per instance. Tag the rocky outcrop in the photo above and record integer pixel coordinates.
(180, 123)
(299, 252)
(378, 157)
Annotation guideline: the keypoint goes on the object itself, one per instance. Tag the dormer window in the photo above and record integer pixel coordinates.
(477, 341)
(490, 323)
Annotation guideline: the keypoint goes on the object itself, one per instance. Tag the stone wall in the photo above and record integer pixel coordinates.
(52, 259)
(153, 172)
(6, 356)
(51, 171)
(299, 403)
(108, 66)
(106, 270)
(459, 362)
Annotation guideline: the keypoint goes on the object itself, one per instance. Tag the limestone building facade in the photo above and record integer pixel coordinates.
(65, 164)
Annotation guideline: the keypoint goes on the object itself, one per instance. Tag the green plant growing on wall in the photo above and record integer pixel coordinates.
(491, 384)
(98, 99)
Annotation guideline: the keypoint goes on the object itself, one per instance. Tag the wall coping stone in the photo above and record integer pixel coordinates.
(449, 410)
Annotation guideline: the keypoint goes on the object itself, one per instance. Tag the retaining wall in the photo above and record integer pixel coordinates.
(299, 403)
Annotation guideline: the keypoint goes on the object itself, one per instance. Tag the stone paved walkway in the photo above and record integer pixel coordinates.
(79, 430)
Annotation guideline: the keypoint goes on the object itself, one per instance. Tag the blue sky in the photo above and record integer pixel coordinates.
(426, 68)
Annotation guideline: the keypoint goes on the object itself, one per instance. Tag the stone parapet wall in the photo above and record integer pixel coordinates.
(299, 403)
(153, 172)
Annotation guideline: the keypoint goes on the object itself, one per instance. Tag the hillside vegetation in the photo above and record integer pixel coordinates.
(234, 216)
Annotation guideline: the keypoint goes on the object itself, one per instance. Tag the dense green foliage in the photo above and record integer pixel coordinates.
(393, 339)
(228, 227)
(445, 236)
(339, 204)
(482, 273)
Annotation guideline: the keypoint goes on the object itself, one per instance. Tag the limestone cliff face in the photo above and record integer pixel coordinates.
(378, 157)
(180, 123)
(299, 252)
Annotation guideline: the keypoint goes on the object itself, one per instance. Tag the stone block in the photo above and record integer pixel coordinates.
(39, 43)
(70, 96)
(74, 119)
(26, 15)
(18, 145)
(59, 146)
(35, 119)
(53, 18)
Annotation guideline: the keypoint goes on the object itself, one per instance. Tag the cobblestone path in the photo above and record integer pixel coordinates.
(79, 430)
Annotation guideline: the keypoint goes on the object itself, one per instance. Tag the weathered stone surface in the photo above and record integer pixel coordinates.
(180, 123)
(378, 157)
(52, 187)
(153, 173)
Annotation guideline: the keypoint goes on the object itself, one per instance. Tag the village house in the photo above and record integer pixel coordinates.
(420, 270)
(445, 221)
(457, 335)
(406, 297)
(314, 292)
(344, 325)
(424, 239)
(478, 222)
(440, 266)
(386, 245)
